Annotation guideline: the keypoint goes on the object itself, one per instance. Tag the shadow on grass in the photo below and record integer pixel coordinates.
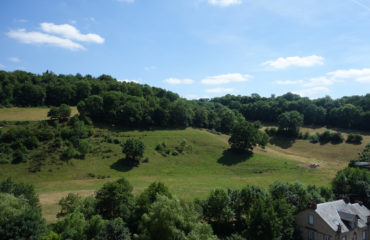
(121, 165)
(283, 142)
(230, 158)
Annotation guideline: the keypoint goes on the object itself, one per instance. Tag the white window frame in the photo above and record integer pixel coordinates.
(363, 235)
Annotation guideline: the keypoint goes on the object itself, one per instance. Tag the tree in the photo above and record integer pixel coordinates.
(62, 112)
(115, 199)
(19, 220)
(263, 222)
(354, 183)
(290, 122)
(171, 219)
(114, 229)
(245, 136)
(134, 150)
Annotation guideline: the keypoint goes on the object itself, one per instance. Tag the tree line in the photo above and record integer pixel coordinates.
(135, 105)
(115, 213)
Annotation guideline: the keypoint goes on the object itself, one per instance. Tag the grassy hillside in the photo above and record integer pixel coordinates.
(206, 166)
(26, 114)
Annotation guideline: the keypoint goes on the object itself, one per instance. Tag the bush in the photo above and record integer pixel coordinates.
(271, 131)
(31, 142)
(336, 138)
(18, 157)
(354, 138)
(324, 137)
(314, 138)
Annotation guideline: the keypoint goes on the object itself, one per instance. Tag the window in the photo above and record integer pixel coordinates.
(310, 219)
(326, 237)
(364, 235)
(311, 235)
(344, 238)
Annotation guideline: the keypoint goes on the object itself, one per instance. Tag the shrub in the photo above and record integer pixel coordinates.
(314, 138)
(336, 138)
(271, 131)
(18, 157)
(354, 138)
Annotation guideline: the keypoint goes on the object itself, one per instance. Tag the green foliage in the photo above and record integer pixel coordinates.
(354, 138)
(62, 112)
(354, 183)
(69, 204)
(294, 194)
(20, 190)
(18, 219)
(290, 123)
(114, 229)
(245, 136)
(115, 199)
(263, 222)
(171, 219)
(134, 150)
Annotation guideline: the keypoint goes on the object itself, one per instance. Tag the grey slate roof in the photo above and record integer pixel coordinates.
(333, 213)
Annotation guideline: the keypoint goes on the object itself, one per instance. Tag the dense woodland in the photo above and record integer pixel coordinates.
(134, 105)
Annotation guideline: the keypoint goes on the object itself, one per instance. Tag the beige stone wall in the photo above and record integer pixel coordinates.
(320, 228)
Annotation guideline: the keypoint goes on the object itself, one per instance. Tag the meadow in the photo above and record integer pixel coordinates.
(205, 166)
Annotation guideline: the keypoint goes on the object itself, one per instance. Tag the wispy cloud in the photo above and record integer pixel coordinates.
(220, 90)
(14, 59)
(63, 36)
(282, 63)
(70, 32)
(226, 78)
(224, 3)
(289, 82)
(150, 68)
(176, 81)
(361, 4)
(43, 39)
(313, 92)
(2, 66)
(320, 81)
(359, 75)
(194, 96)
(126, 1)
(20, 20)
(129, 80)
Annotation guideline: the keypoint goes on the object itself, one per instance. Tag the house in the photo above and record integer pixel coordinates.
(337, 220)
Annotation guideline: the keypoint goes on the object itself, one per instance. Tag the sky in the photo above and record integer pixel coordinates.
(196, 48)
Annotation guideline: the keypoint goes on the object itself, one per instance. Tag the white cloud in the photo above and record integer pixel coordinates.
(220, 90)
(320, 81)
(149, 68)
(288, 82)
(360, 75)
(226, 78)
(313, 92)
(42, 38)
(194, 96)
(224, 3)
(14, 59)
(282, 63)
(21, 20)
(70, 32)
(129, 80)
(2, 66)
(126, 1)
(175, 81)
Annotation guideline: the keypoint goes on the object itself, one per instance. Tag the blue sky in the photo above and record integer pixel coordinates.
(197, 48)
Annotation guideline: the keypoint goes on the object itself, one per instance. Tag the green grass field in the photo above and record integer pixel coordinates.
(207, 166)
(26, 114)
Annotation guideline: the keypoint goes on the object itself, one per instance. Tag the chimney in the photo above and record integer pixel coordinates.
(339, 228)
(311, 205)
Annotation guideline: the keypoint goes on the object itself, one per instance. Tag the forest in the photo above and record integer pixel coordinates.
(133, 105)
